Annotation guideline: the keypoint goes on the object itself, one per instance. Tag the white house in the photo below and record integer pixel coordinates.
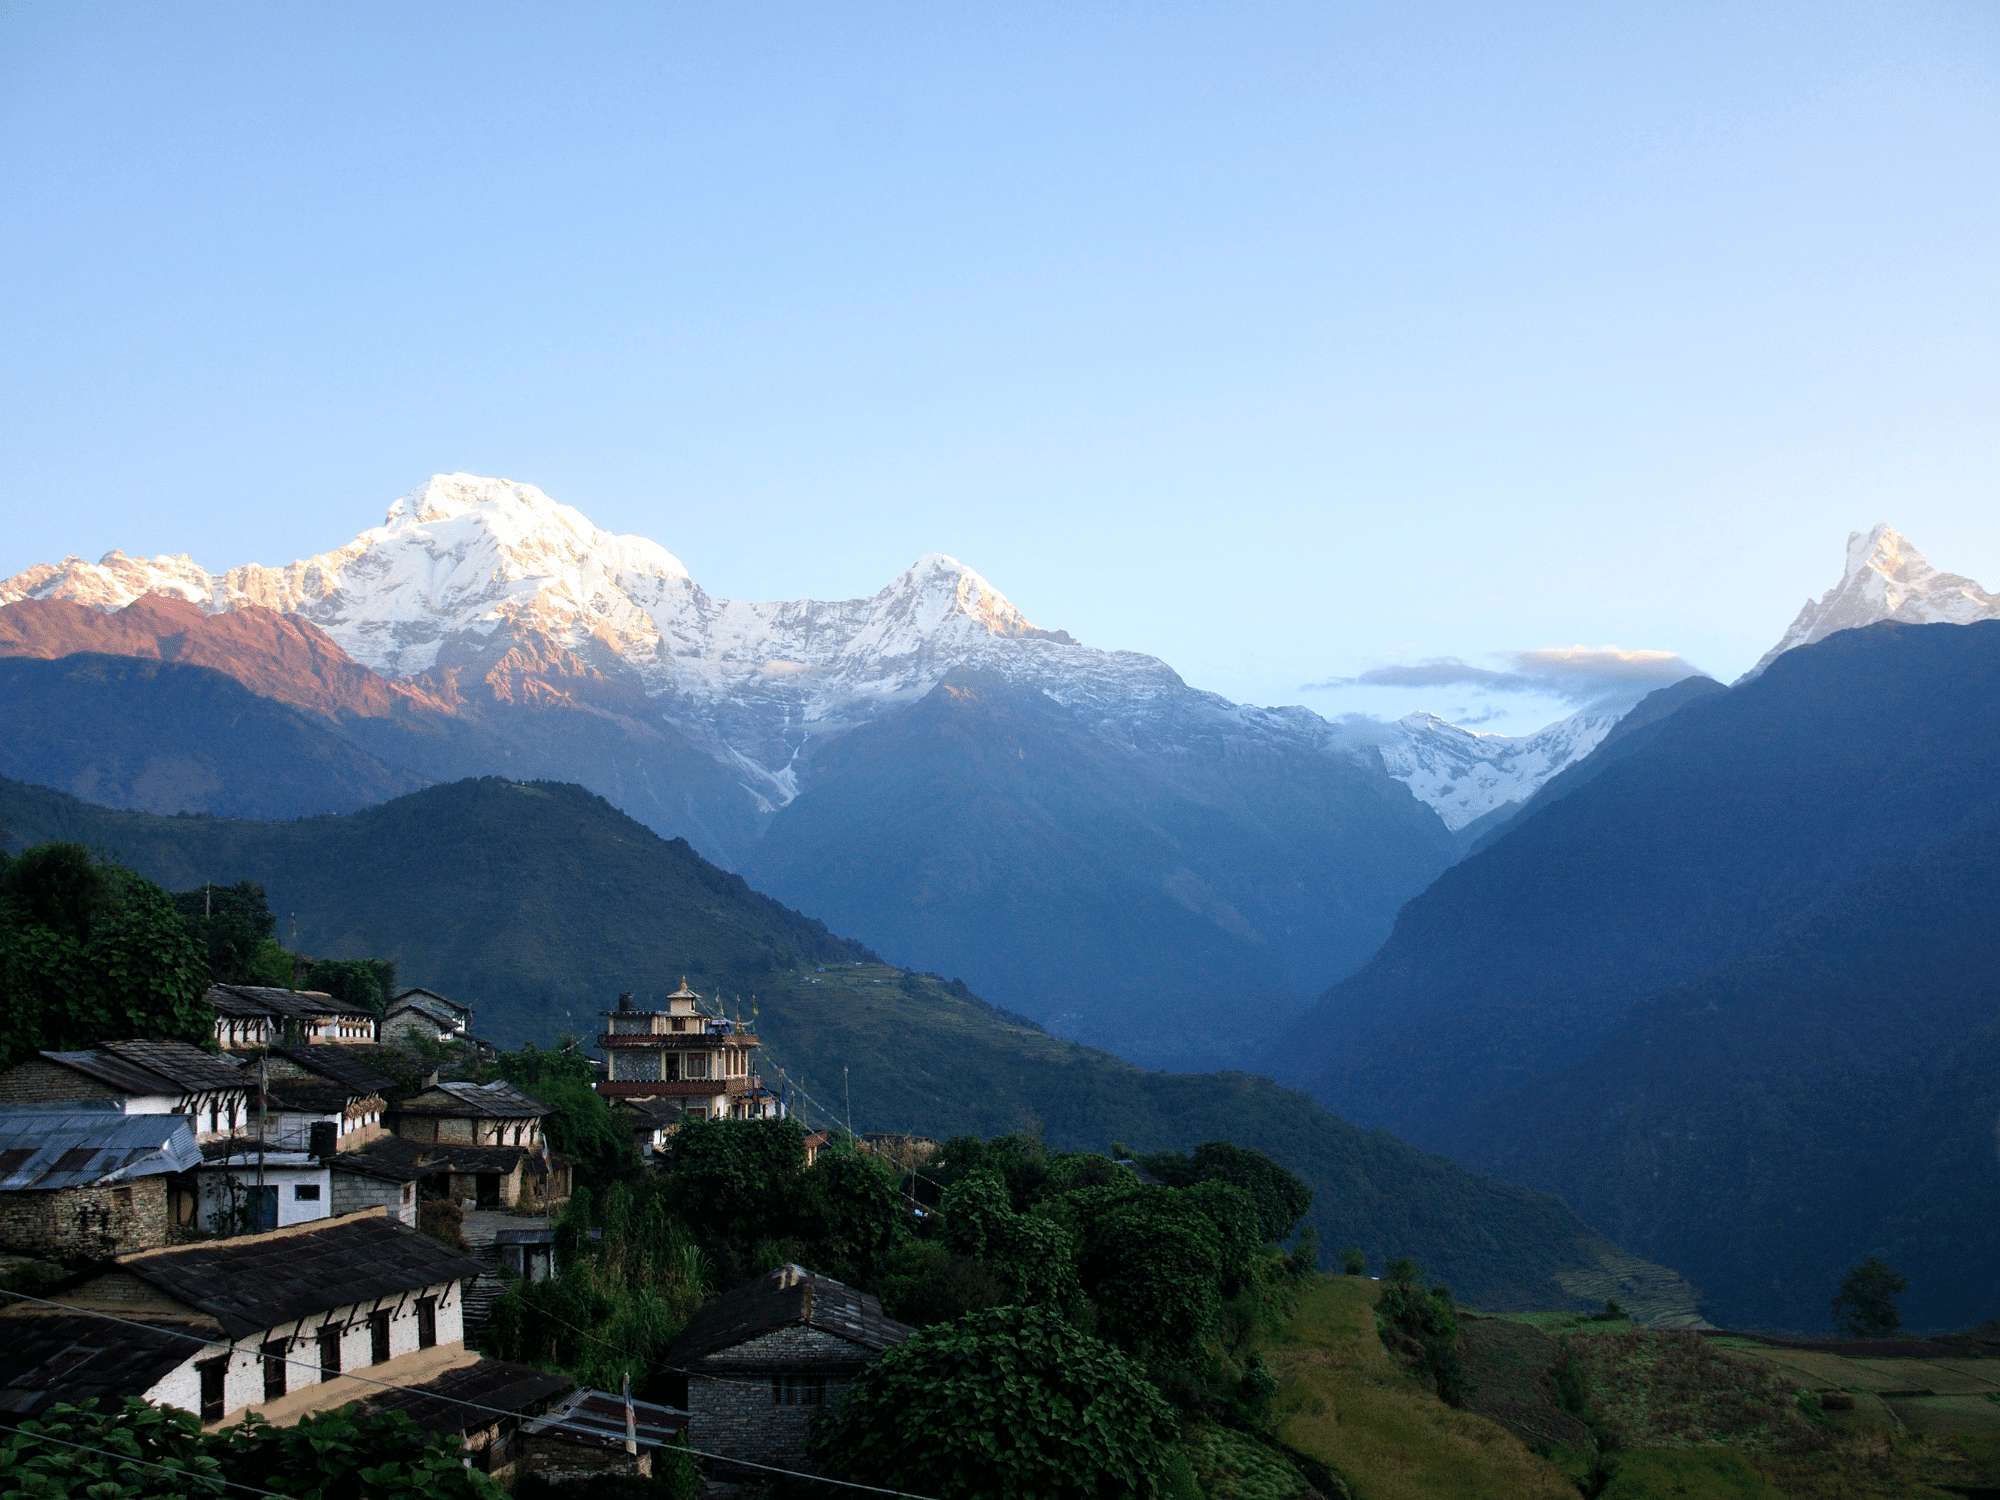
(270, 1323)
(244, 1189)
(141, 1078)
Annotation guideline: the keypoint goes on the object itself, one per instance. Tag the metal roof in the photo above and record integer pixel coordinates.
(42, 1150)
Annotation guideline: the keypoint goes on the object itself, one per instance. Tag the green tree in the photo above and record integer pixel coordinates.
(1013, 1401)
(1353, 1262)
(91, 953)
(850, 1213)
(367, 982)
(234, 925)
(580, 1124)
(1153, 1264)
(737, 1183)
(147, 1452)
(1865, 1305)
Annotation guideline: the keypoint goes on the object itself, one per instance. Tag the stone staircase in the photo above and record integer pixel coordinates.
(481, 1230)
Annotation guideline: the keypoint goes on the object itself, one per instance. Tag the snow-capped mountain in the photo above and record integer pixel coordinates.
(465, 568)
(1885, 579)
(1464, 775)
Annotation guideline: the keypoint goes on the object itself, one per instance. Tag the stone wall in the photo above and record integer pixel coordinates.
(353, 1192)
(87, 1221)
(735, 1414)
(39, 1082)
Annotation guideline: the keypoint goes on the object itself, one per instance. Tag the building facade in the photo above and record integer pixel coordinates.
(251, 1017)
(703, 1065)
(766, 1358)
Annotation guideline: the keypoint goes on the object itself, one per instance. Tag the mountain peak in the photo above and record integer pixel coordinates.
(939, 585)
(1886, 578)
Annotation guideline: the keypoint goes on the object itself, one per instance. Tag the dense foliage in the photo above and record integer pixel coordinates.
(1013, 1401)
(142, 1452)
(88, 952)
(1043, 1276)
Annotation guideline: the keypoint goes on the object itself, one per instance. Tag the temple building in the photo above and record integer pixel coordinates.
(705, 1064)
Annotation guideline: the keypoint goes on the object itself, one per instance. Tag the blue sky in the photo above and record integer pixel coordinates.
(1282, 341)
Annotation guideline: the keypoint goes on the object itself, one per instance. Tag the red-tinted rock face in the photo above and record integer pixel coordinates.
(275, 656)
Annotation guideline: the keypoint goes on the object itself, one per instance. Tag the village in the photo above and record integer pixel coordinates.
(316, 1214)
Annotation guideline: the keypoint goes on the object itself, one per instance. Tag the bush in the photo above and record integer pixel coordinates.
(1013, 1401)
(1353, 1263)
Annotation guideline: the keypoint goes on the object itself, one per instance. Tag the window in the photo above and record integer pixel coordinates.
(212, 1372)
(427, 1322)
(274, 1369)
(329, 1351)
(798, 1390)
(378, 1337)
(306, 1192)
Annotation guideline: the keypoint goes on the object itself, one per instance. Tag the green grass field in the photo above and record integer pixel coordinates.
(1344, 1400)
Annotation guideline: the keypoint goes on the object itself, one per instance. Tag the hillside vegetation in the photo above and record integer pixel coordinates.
(1751, 946)
(540, 903)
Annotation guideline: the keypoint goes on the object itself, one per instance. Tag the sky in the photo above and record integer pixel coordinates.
(1296, 344)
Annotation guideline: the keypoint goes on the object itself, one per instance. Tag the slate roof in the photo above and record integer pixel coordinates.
(790, 1296)
(310, 1096)
(258, 1281)
(446, 1012)
(156, 1068)
(76, 1146)
(252, 1000)
(491, 1101)
(357, 1074)
(406, 1160)
(46, 1358)
(520, 1390)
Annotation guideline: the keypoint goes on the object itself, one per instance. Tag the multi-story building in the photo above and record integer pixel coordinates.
(704, 1063)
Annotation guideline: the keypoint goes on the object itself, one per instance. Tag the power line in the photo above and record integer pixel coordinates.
(146, 1463)
(438, 1396)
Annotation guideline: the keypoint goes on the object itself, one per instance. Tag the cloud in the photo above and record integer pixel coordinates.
(1576, 674)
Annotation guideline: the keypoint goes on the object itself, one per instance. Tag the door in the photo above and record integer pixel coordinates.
(489, 1190)
(261, 1203)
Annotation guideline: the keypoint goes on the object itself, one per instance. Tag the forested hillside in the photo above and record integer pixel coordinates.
(539, 903)
(1725, 978)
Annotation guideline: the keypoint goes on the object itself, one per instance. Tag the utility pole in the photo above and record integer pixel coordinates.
(263, 1100)
(849, 1093)
(631, 1418)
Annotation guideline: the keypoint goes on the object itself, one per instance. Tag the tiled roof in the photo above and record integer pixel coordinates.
(493, 1384)
(261, 1280)
(76, 1146)
(785, 1298)
(492, 1101)
(310, 1096)
(156, 1068)
(46, 1358)
(253, 1000)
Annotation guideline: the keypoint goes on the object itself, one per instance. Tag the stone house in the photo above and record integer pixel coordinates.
(267, 1323)
(360, 1181)
(478, 1143)
(251, 1017)
(425, 1015)
(87, 1180)
(141, 1078)
(764, 1359)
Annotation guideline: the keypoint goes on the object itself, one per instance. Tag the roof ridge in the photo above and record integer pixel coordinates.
(289, 1231)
